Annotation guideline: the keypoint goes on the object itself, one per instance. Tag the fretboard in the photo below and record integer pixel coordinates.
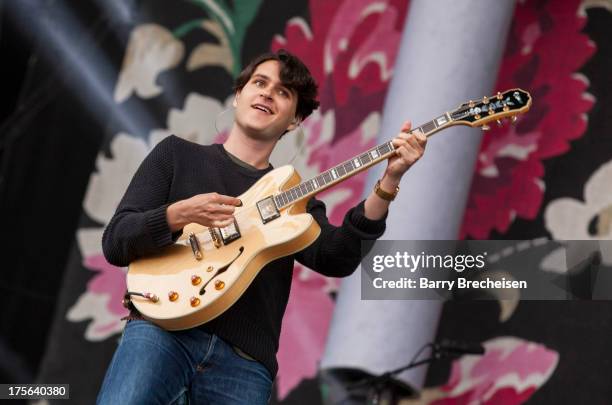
(349, 168)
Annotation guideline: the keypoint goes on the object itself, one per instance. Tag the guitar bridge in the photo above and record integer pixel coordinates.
(195, 246)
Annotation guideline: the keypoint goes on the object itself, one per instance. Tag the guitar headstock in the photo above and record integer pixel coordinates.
(508, 104)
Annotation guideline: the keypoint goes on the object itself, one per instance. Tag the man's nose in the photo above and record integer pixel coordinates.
(265, 93)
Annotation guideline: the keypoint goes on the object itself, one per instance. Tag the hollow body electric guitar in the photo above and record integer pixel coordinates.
(208, 269)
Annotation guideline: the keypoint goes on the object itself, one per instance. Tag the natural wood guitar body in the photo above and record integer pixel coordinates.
(172, 269)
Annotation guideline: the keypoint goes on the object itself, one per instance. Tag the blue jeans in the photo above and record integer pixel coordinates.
(154, 366)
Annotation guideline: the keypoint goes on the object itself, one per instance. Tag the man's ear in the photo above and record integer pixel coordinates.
(294, 123)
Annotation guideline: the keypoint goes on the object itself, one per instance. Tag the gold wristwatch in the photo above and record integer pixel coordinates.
(385, 195)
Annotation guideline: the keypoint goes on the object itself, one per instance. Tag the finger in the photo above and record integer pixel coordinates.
(221, 217)
(409, 156)
(399, 142)
(223, 223)
(414, 143)
(227, 200)
(406, 126)
(421, 138)
(221, 209)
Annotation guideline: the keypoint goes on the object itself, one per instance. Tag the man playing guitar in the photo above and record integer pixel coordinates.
(232, 358)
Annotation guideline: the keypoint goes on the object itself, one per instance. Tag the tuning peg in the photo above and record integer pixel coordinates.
(485, 128)
(485, 100)
(499, 95)
(471, 104)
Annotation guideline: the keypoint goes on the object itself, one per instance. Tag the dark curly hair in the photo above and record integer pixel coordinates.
(293, 75)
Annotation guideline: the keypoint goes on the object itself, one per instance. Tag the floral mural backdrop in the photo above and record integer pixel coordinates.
(548, 176)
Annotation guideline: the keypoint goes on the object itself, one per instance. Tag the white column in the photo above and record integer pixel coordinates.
(449, 53)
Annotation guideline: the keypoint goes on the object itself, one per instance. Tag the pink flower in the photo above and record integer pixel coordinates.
(509, 372)
(545, 49)
(101, 302)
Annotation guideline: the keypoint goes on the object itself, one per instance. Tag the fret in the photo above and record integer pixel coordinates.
(441, 120)
(320, 180)
(384, 148)
(374, 153)
(341, 170)
(309, 186)
(327, 177)
(365, 159)
(430, 126)
(334, 174)
(356, 162)
(285, 198)
(294, 195)
(303, 188)
(348, 167)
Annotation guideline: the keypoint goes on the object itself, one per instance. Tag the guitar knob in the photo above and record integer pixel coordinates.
(173, 296)
(219, 285)
(485, 128)
(195, 280)
(194, 301)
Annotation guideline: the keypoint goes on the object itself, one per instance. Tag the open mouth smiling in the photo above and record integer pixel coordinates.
(263, 108)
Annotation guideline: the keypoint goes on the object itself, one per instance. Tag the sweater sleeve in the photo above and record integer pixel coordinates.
(337, 250)
(139, 226)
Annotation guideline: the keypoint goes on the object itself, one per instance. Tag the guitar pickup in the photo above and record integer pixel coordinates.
(267, 209)
(230, 233)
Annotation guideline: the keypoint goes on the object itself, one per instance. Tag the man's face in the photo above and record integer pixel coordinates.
(264, 107)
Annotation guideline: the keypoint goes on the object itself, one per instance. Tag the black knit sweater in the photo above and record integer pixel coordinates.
(177, 169)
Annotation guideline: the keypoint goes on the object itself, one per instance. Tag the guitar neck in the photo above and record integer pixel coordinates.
(353, 166)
